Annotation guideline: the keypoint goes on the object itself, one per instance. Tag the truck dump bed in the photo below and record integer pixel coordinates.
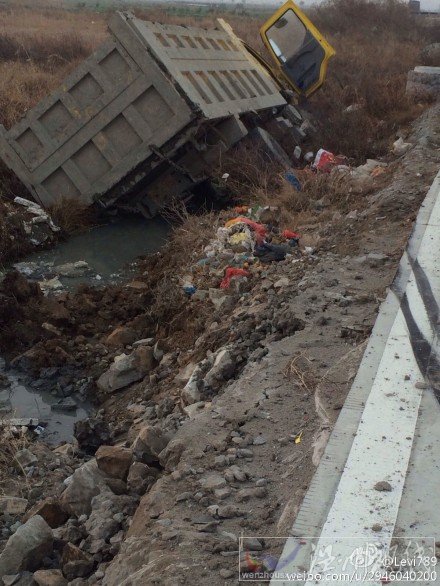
(130, 107)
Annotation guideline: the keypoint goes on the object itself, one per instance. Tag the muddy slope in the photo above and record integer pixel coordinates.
(235, 468)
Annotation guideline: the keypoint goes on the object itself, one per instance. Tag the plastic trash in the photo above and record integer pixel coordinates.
(292, 237)
(189, 288)
(400, 146)
(325, 161)
(259, 229)
(297, 152)
(293, 179)
(232, 272)
(267, 252)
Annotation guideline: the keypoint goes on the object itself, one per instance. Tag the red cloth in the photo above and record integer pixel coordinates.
(289, 235)
(232, 272)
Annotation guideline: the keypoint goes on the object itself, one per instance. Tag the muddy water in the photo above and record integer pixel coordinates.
(19, 401)
(108, 249)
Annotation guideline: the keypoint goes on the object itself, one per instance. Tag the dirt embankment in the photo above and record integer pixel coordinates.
(215, 403)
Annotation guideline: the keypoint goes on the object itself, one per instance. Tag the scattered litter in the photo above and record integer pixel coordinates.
(189, 288)
(289, 235)
(259, 229)
(225, 176)
(267, 252)
(232, 272)
(400, 146)
(325, 161)
(297, 151)
(353, 108)
(293, 180)
(309, 156)
(298, 437)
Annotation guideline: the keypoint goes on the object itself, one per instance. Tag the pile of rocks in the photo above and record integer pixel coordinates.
(72, 535)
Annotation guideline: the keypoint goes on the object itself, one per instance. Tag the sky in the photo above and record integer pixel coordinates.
(428, 5)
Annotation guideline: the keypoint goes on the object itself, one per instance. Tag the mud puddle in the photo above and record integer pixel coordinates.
(106, 253)
(17, 401)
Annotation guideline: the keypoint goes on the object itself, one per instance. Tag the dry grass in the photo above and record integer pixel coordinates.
(10, 445)
(38, 48)
(377, 43)
(71, 216)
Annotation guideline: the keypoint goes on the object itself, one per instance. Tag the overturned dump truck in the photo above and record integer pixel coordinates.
(145, 118)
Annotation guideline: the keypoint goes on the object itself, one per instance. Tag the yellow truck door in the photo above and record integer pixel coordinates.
(299, 50)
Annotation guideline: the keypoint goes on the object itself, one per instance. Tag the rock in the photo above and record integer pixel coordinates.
(283, 282)
(246, 494)
(21, 579)
(229, 511)
(423, 82)
(140, 477)
(49, 578)
(259, 440)
(72, 269)
(158, 352)
(67, 450)
(12, 505)
(195, 409)
(27, 547)
(50, 510)
(121, 336)
(25, 458)
(75, 562)
(235, 473)
(212, 481)
(252, 544)
(223, 368)
(91, 433)
(67, 404)
(149, 443)
(190, 393)
(114, 461)
(383, 486)
(85, 483)
(143, 342)
(224, 573)
(185, 373)
(430, 55)
(127, 369)
(222, 493)
(217, 297)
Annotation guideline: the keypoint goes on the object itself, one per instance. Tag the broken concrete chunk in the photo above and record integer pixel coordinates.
(24, 458)
(114, 461)
(72, 269)
(149, 444)
(12, 505)
(212, 481)
(127, 369)
(121, 336)
(75, 562)
(50, 510)
(49, 578)
(85, 483)
(27, 547)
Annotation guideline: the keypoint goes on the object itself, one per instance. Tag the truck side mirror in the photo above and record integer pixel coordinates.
(298, 48)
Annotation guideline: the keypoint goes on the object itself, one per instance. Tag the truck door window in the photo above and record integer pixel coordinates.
(298, 48)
